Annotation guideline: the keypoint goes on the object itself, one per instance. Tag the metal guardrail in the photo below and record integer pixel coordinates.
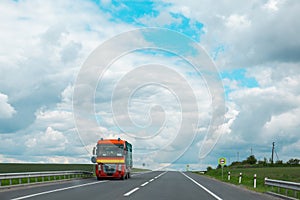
(29, 175)
(283, 184)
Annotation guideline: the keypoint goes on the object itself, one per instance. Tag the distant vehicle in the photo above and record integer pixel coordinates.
(113, 158)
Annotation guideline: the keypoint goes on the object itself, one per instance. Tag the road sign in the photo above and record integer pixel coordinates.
(222, 161)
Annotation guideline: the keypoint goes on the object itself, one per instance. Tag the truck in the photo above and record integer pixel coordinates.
(112, 159)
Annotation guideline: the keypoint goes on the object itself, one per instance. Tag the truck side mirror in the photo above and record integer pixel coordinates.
(94, 151)
(93, 159)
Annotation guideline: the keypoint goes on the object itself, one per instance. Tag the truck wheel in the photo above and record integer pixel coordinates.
(98, 178)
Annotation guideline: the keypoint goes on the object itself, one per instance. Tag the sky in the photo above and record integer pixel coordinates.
(186, 82)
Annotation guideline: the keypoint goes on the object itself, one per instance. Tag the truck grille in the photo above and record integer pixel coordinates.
(110, 169)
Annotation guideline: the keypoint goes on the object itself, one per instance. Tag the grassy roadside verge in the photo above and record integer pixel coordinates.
(38, 167)
(280, 173)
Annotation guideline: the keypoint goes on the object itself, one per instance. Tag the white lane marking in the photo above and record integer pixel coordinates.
(160, 175)
(137, 188)
(204, 188)
(57, 190)
(144, 184)
(131, 191)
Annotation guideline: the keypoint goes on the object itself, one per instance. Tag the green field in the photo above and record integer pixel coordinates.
(37, 167)
(279, 173)
(32, 167)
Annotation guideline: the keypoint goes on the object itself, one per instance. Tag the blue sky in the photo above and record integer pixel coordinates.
(45, 44)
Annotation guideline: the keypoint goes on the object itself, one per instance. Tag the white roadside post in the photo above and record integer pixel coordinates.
(254, 181)
(240, 178)
(229, 176)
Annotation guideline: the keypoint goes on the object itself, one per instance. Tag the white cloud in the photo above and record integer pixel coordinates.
(43, 46)
(235, 21)
(6, 110)
(51, 140)
(271, 5)
(267, 114)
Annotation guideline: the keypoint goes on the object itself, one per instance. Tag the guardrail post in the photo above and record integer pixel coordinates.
(240, 178)
(43, 176)
(229, 176)
(254, 184)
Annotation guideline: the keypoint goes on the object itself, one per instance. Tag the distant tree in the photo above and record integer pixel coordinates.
(270, 160)
(279, 162)
(251, 160)
(261, 162)
(235, 163)
(209, 168)
(293, 161)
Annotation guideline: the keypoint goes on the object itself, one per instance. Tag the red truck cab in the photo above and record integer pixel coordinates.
(113, 159)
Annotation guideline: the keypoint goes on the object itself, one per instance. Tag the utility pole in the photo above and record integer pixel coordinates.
(273, 148)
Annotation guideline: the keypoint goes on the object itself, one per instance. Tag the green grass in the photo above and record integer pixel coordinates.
(140, 170)
(280, 173)
(32, 167)
(37, 167)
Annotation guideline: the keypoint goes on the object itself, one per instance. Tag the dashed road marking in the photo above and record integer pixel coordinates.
(144, 184)
(131, 191)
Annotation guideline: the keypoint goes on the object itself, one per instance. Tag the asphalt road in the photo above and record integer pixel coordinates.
(152, 185)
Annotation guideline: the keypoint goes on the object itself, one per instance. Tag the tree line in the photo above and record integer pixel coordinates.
(251, 161)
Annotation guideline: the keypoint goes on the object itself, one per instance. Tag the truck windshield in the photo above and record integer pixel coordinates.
(109, 150)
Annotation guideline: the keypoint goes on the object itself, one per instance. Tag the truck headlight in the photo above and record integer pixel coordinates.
(119, 167)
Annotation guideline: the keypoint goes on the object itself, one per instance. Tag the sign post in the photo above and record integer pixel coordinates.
(222, 162)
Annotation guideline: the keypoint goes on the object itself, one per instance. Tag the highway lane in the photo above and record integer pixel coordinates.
(153, 185)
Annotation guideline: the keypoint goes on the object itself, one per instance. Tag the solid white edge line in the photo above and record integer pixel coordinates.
(204, 188)
(56, 190)
(131, 191)
(144, 184)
